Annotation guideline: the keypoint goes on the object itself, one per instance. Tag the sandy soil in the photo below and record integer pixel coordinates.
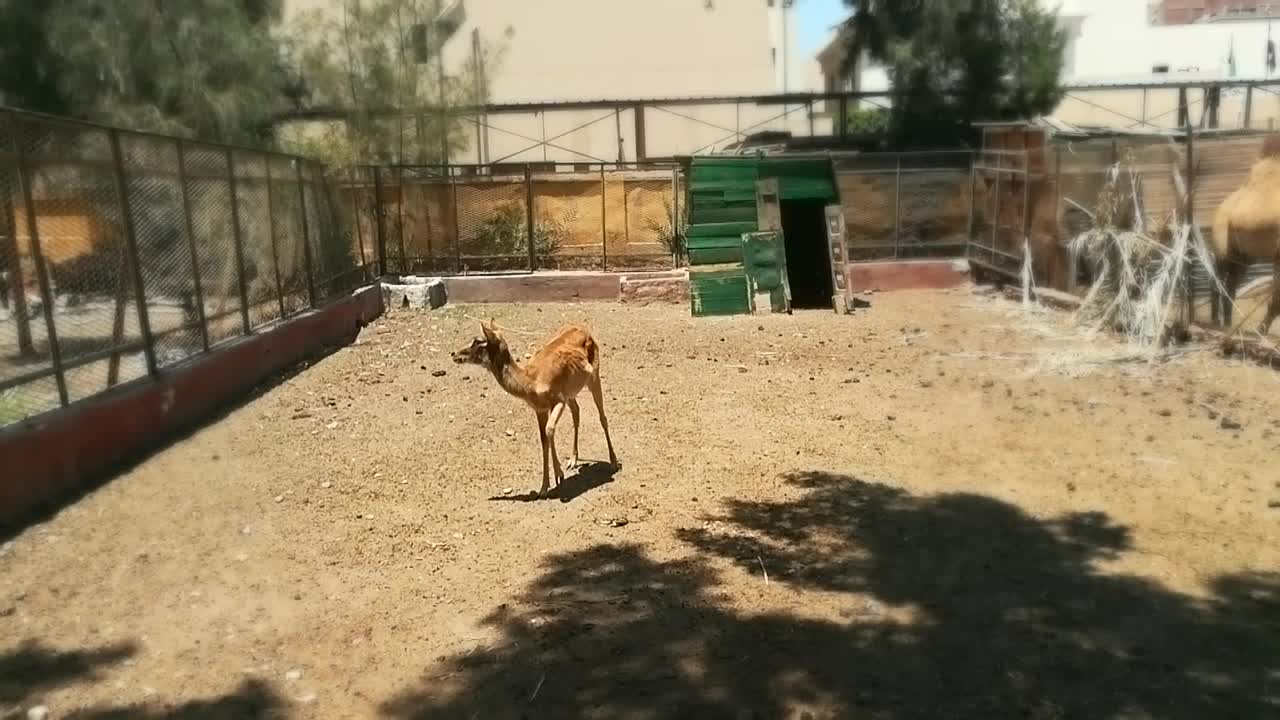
(939, 507)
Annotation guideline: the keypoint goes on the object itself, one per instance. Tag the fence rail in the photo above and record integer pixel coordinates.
(519, 217)
(123, 253)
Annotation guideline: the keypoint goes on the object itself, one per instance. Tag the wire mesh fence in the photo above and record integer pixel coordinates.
(1001, 205)
(905, 205)
(523, 217)
(125, 253)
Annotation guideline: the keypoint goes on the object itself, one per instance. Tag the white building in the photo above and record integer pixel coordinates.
(610, 49)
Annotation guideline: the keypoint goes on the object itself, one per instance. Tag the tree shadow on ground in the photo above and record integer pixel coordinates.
(33, 668)
(252, 699)
(1009, 617)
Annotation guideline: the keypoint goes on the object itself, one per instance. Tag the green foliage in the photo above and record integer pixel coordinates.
(868, 121)
(363, 57)
(670, 235)
(208, 69)
(503, 234)
(953, 62)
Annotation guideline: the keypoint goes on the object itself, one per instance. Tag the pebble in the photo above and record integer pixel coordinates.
(507, 490)
(39, 712)
(246, 529)
(293, 675)
(307, 699)
(326, 484)
(439, 373)
(279, 498)
(333, 425)
(1229, 424)
(511, 433)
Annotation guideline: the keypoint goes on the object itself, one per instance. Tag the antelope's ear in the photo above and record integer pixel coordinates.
(490, 332)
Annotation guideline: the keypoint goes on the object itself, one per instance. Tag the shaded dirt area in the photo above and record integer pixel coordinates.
(939, 507)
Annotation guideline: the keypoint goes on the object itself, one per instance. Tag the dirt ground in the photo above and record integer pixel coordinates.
(940, 507)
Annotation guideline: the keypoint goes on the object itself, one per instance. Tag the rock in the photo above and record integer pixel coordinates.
(39, 712)
(508, 491)
(307, 699)
(246, 529)
(420, 294)
(279, 498)
(300, 416)
(665, 287)
(439, 373)
(1274, 504)
(986, 384)
(511, 433)
(1228, 424)
(852, 381)
(326, 484)
(1165, 412)
(293, 675)
(333, 425)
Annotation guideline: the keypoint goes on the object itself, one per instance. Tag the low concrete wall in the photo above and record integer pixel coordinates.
(671, 288)
(535, 287)
(907, 275)
(52, 455)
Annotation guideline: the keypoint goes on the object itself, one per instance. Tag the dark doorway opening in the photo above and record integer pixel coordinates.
(804, 231)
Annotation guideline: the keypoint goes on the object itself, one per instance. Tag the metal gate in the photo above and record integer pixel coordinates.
(1001, 195)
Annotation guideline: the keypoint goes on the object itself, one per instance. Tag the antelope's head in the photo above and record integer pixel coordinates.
(481, 349)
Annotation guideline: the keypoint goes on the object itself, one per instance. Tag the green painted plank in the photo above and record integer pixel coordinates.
(721, 174)
(732, 229)
(721, 186)
(713, 242)
(713, 256)
(722, 215)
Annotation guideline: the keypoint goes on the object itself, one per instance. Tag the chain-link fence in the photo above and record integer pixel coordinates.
(520, 217)
(124, 253)
(905, 205)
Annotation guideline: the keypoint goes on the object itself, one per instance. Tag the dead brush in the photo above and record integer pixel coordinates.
(1139, 275)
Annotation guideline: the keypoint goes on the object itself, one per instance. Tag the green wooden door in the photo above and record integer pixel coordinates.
(764, 257)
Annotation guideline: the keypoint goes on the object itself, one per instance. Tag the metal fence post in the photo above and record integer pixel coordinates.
(404, 256)
(196, 285)
(13, 264)
(42, 272)
(1026, 211)
(457, 226)
(675, 216)
(271, 228)
(238, 242)
(1188, 289)
(995, 213)
(379, 225)
(897, 208)
(529, 220)
(131, 249)
(973, 200)
(604, 224)
(306, 237)
(352, 182)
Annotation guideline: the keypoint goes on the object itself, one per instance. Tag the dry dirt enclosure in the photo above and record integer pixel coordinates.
(940, 507)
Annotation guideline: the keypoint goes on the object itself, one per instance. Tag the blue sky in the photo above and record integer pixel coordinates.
(815, 18)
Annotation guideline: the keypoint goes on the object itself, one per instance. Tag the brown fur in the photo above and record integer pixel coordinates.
(549, 382)
(1246, 227)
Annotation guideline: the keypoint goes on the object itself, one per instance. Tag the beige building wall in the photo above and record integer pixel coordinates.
(607, 49)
